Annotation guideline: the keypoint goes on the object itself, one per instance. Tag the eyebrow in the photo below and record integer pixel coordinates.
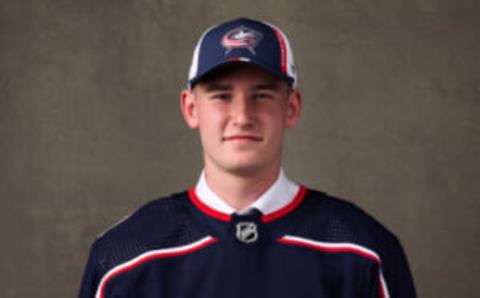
(211, 87)
(267, 86)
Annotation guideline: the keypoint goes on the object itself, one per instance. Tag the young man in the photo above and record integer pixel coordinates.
(245, 229)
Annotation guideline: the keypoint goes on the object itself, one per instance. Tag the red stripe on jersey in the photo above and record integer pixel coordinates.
(205, 208)
(152, 255)
(265, 218)
(288, 208)
(341, 248)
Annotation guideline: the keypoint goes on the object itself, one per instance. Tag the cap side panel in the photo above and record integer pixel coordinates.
(289, 61)
(283, 50)
(194, 65)
(196, 54)
(291, 71)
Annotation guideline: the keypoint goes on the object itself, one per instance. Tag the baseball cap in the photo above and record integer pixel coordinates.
(243, 40)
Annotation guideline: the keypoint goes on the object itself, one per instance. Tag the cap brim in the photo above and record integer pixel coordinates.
(219, 67)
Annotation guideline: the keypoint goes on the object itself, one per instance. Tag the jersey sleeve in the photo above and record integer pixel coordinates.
(91, 276)
(395, 274)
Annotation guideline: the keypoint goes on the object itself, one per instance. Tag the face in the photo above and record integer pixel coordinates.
(241, 113)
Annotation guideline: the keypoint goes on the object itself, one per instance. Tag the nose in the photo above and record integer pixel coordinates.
(243, 110)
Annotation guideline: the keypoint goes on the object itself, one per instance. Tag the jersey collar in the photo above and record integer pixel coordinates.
(281, 197)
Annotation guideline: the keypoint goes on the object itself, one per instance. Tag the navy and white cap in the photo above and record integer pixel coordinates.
(243, 40)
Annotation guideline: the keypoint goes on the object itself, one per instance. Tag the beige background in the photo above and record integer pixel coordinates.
(90, 126)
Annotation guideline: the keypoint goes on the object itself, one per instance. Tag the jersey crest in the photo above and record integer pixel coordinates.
(247, 232)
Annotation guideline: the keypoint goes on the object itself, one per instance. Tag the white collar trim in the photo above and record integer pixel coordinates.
(281, 193)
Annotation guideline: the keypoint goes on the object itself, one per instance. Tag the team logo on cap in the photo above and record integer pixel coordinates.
(241, 37)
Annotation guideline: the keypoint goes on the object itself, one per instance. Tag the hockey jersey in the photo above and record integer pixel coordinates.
(316, 246)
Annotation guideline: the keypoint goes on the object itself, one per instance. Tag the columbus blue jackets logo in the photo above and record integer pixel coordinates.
(241, 38)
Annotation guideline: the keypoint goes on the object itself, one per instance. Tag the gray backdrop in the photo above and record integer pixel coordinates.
(90, 126)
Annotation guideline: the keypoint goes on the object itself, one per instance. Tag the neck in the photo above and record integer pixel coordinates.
(240, 191)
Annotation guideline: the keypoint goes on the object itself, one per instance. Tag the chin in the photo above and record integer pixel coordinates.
(245, 168)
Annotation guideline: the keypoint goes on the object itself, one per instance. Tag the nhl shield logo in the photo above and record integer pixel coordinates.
(247, 232)
(241, 37)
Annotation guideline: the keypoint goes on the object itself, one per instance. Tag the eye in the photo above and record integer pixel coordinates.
(221, 96)
(263, 95)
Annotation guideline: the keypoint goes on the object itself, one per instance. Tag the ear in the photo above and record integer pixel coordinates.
(189, 108)
(294, 108)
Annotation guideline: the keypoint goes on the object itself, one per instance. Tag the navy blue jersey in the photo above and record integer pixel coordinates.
(317, 246)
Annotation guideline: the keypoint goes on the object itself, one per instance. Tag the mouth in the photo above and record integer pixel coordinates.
(250, 138)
